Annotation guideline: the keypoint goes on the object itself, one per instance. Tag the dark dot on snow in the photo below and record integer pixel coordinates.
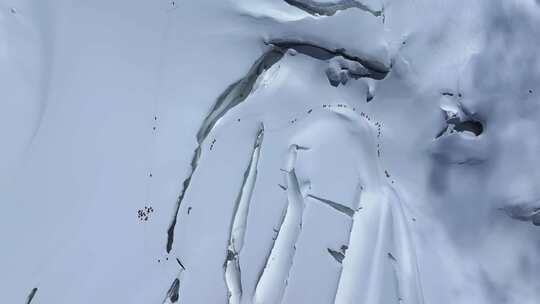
(150, 174)
(459, 95)
(13, 10)
(238, 119)
(530, 91)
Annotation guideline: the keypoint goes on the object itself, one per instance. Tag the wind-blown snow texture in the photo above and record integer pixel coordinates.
(270, 151)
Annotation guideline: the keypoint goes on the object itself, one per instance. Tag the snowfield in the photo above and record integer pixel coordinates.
(270, 151)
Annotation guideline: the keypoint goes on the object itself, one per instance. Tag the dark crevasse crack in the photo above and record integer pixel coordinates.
(337, 206)
(456, 125)
(460, 120)
(239, 223)
(238, 91)
(185, 185)
(231, 97)
(180, 264)
(473, 126)
(337, 255)
(369, 96)
(375, 70)
(271, 285)
(329, 8)
(172, 293)
(31, 295)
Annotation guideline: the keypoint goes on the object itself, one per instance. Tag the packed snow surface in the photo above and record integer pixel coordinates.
(270, 151)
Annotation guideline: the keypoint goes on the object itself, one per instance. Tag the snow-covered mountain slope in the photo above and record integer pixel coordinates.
(269, 151)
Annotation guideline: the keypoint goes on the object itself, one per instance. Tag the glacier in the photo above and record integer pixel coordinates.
(270, 151)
